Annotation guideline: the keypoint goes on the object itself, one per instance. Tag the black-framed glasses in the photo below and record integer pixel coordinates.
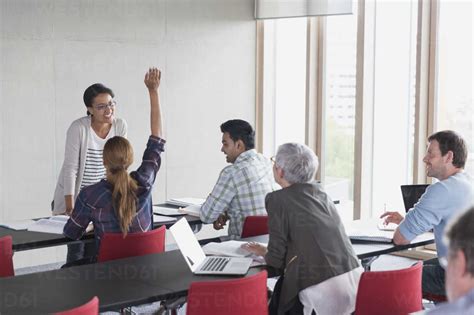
(102, 107)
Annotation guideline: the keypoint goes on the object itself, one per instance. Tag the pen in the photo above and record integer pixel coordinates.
(291, 260)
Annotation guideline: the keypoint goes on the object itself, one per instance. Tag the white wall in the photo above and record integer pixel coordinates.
(52, 50)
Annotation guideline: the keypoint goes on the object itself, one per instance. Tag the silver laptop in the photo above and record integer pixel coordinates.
(197, 260)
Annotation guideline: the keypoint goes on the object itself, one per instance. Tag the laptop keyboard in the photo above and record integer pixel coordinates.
(215, 264)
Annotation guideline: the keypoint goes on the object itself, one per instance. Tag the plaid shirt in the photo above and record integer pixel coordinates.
(240, 190)
(94, 203)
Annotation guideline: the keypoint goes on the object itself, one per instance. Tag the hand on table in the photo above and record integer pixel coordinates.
(392, 217)
(255, 248)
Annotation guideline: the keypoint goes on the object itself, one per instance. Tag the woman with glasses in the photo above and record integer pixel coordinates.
(83, 164)
(307, 241)
(121, 202)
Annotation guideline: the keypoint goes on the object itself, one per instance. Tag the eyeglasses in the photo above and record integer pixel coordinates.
(443, 262)
(273, 159)
(102, 107)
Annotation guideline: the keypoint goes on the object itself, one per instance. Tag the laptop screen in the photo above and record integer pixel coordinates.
(411, 194)
(188, 244)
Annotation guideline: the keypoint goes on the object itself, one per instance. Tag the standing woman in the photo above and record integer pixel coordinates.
(122, 202)
(85, 142)
(307, 240)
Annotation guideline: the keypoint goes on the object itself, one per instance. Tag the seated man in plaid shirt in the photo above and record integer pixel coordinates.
(241, 188)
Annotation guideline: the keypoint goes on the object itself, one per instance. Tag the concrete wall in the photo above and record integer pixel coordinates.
(52, 50)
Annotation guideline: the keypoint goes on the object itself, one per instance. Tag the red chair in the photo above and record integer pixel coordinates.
(90, 308)
(114, 246)
(230, 297)
(255, 225)
(6, 257)
(393, 292)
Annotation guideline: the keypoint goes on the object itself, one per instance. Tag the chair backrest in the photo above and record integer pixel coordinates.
(90, 308)
(393, 292)
(255, 225)
(6, 257)
(114, 246)
(230, 297)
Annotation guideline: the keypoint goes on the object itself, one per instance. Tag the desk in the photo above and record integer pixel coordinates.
(367, 252)
(126, 282)
(24, 240)
(118, 284)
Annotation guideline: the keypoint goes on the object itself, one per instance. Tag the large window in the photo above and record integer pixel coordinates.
(394, 102)
(339, 101)
(455, 100)
(285, 75)
(367, 118)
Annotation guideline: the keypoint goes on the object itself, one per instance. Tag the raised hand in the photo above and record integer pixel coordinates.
(153, 78)
(152, 82)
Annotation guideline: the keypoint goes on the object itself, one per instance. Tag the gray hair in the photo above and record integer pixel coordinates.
(298, 161)
(460, 236)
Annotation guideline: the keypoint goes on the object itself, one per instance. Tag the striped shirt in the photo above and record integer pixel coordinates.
(94, 203)
(240, 190)
(94, 169)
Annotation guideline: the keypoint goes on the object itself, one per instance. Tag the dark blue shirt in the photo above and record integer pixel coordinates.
(94, 203)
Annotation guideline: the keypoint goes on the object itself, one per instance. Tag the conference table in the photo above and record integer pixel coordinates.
(25, 240)
(368, 251)
(127, 282)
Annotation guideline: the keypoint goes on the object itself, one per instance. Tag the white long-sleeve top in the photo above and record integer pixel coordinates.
(72, 171)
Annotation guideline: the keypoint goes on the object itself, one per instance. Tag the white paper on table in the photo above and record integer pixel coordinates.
(166, 211)
(228, 248)
(48, 226)
(186, 201)
(387, 227)
(54, 225)
(17, 225)
(161, 218)
(193, 210)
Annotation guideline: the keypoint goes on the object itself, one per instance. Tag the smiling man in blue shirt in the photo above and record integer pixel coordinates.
(445, 159)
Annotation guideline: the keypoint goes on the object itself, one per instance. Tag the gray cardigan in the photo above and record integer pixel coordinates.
(307, 239)
(70, 177)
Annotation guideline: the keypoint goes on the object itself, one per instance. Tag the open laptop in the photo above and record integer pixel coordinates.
(197, 260)
(411, 194)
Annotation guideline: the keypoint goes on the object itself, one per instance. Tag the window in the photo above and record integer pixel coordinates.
(454, 73)
(284, 87)
(394, 102)
(340, 95)
(371, 72)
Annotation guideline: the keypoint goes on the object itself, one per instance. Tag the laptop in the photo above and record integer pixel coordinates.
(411, 194)
(197, 260)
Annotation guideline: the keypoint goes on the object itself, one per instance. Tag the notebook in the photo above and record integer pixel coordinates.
(184, 202)
(193, 210)
(166, 211)
(196, 259)
(411, 194)
(367, 231)
(375, 236)
(54, 225)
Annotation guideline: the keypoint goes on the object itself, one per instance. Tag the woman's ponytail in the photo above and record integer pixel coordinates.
(118, 156)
